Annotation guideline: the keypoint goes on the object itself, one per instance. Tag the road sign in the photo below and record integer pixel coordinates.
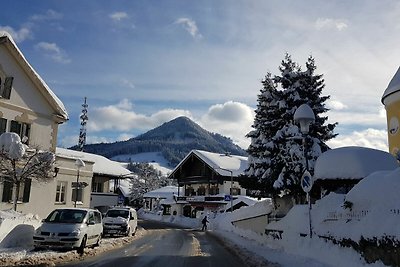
(306, 182)
(228, 198)
(121, 199)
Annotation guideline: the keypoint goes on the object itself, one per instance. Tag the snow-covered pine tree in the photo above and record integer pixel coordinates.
(293, 88)
(263, 152)
(148, 179)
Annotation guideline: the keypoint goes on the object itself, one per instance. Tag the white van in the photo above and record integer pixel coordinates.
(74, 228)
(120, 221)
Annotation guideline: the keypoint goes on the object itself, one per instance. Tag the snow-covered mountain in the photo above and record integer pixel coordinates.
(173, 139)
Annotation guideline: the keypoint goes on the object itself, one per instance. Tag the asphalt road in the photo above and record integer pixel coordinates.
(167, 245)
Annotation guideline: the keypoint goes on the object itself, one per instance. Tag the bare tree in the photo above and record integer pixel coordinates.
(18, 163)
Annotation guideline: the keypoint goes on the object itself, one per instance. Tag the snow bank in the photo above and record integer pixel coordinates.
(16, 229)
(352, 163)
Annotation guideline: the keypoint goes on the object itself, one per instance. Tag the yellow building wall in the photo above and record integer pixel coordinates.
(393, 126)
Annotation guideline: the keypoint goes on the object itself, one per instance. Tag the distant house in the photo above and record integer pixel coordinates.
(209, 181)
(162, 199)
(338, 170)
(99, 176)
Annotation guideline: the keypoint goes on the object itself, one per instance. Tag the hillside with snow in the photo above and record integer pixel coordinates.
(173, 139)
(155, 159)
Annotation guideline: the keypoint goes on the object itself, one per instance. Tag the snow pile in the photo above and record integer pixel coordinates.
(178, 220)
(352, 163)
(16, 229)
(259, 208)
(12, 145)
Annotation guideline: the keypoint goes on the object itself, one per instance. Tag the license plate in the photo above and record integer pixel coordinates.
(112, 231)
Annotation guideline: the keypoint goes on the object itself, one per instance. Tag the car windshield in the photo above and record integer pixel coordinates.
(118, 213)
(66, 216)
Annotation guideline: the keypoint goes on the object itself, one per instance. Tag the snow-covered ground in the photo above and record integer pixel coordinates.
(292, 249)
(372, 214)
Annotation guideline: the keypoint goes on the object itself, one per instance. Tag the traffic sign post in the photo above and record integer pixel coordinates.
(307, 183)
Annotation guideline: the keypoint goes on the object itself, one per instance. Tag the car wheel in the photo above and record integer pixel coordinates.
(81, 248)
(128, 232)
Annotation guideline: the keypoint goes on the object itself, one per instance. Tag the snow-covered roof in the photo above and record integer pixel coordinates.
(221, 163)
(102, 165)
(352, 163)
(393, 86)
(166, 192)
(55, 102)
(256, 209)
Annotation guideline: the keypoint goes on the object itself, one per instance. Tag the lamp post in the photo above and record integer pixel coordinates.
(79, 164)
(304, 115)
(230, 193)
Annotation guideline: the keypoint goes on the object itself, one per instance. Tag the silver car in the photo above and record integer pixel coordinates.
(73, 228)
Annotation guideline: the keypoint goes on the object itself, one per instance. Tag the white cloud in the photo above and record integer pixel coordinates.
(336, 105)
(371, 138)
(18, 35)
(190, 26)
(118, 16)
(121, 117)
(127, 83)
(53, 51)
(124, 137)
(327, 23)
(232, 119)
(49, 15)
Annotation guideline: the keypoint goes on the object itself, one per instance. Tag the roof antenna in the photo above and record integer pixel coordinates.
(82, 133)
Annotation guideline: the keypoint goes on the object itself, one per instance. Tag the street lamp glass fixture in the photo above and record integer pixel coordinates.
(304, 115)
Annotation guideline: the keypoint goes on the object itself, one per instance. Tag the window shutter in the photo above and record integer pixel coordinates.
(7, 191)
(27, 190)
(7, 87)
(3, 125)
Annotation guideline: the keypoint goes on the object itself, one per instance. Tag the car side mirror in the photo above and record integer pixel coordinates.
(90, 223)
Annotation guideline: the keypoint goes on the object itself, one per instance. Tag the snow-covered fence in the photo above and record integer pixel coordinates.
(354, 215)
(349, 215)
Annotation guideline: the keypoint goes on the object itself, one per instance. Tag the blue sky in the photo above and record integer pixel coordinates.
(141, 63)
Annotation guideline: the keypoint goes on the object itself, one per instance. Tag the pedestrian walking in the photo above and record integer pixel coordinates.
(204, 222)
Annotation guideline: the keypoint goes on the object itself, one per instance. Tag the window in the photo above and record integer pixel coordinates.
(20, 128)
(60, 192)
(235, 191)
(5, 89)
(214, 190)
(23, 193)
(167, 210)
(97, 187)
(201, 191)
(3, 125)
(189, 191)
(78, 198)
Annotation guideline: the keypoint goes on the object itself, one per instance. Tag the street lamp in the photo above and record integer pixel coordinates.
(304, 115)
(79, 164)
(231, 185)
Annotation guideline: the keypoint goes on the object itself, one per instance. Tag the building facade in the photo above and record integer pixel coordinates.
(209, 182)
